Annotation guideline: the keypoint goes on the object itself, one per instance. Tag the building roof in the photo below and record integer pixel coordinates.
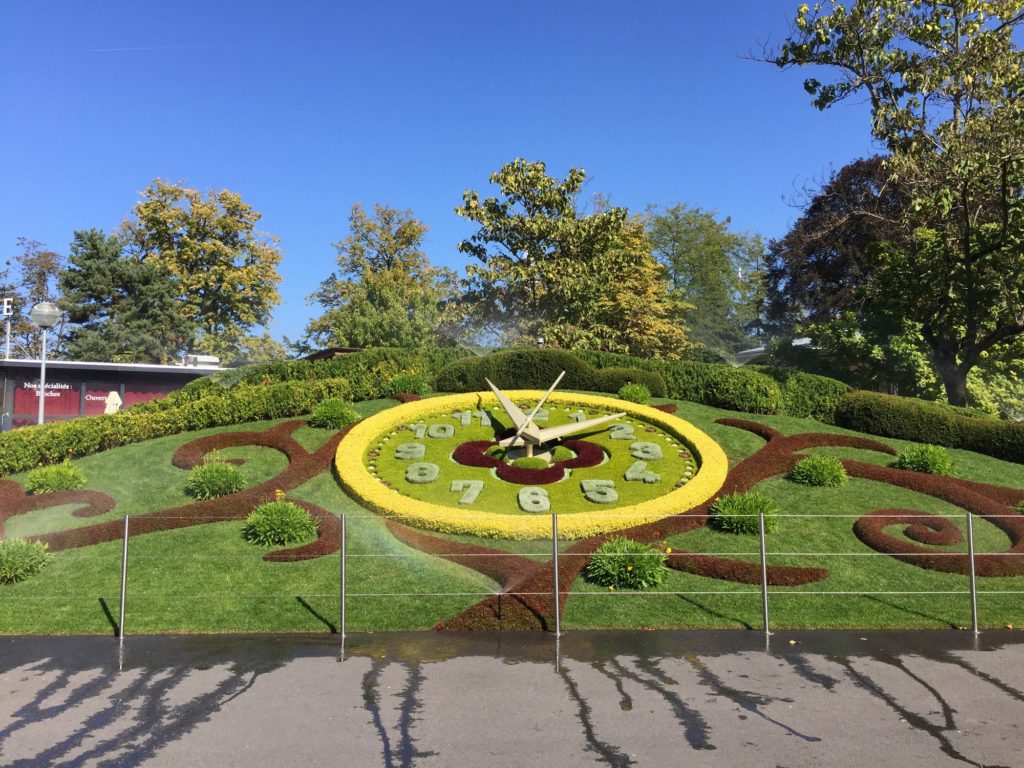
(84, 366)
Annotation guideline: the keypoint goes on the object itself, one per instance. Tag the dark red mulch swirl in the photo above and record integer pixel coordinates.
(302, 466)
(406, 397)
(14, 501)
(667, 407)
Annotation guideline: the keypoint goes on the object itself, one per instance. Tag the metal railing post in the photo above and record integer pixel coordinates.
(554, 565)
(343, 574)
(974, 581)
(764, 576)
(124, 580)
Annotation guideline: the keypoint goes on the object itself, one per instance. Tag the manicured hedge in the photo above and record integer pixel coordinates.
(807, 394)
(28, 447)
(754, 389)
(923, 422)
(537, 369)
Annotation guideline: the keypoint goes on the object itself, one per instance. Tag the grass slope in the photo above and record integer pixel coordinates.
(207, 579)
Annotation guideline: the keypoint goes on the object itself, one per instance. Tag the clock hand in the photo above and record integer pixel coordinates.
(513, 411)
(528, 426)
(552, 433)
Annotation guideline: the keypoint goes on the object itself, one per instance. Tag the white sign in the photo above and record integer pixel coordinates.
(113, 403)
(7, 306)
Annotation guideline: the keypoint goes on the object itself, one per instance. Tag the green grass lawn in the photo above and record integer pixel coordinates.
(208, 579)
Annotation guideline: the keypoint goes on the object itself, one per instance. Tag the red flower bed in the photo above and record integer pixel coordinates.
(14, 501)
(667, 407)
(473, 453)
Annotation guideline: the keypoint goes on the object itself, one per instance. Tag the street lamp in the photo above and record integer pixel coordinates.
(45, 315)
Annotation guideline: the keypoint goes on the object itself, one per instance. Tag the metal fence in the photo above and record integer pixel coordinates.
(345, 595)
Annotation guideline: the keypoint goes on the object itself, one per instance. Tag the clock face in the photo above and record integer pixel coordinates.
(438, 463)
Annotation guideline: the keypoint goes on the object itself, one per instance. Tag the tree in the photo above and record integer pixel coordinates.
(385, 291)
(549, 271)
(29, 280)
(717, 272)
(225, 269)
(945, 82)
(124, 309)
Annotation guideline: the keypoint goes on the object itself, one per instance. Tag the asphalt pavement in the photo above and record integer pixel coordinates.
(434, 700)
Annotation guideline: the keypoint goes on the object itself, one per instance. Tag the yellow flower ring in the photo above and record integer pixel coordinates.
(374, 495)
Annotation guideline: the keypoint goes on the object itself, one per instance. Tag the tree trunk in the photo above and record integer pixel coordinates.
(954, 379)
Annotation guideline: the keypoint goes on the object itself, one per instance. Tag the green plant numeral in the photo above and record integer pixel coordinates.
(534, 499)
(638, 472)
(410, 451)
(645, 451)
(466, 417)
(599, 491)
(622, 432)
(469, 489)
(542, 416)
(440, 431)
(578, 416)
(419, 430)
(422, 472)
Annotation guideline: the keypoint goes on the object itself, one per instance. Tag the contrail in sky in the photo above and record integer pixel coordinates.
(155, 48)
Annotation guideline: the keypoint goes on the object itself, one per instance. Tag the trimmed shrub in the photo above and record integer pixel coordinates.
(807, 394)
(333, 414)
(20, 559)
(932, 423)
(614, 379)
(622, 563)
(214, 479)
(22, 449)
(821, 471)
(408, 381)
(739, 513)
(56, 477)
(517, 369)
(634, 393)
(930, 459)
(561, 453)
(279, 522)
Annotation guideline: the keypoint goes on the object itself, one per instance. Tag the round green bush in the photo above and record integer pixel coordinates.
(561, 453)
(622, 563)
(333, 414)
(739, 513)
(55, 477)
(823, 471)
(634, 393)
(214, 479)
(415, 383)
(930, 459)
(279, 522)
(20, 559)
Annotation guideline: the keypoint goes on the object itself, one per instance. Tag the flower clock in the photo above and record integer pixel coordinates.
(498, 464)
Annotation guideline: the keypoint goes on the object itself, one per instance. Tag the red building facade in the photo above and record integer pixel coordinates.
(76, 389)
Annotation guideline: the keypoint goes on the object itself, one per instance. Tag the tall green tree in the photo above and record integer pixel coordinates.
(122, 309)
(384, 292)
(945, 84)
(715, 270)
(225, 268)
(30, 278)
(549, 270)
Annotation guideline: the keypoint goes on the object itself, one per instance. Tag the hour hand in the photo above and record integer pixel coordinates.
(513, 410)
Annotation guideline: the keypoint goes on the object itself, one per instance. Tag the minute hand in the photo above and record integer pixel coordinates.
(553, 433)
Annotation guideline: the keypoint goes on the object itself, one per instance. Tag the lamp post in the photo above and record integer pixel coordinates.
(45, 315)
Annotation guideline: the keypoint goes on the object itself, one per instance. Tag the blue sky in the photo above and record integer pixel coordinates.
(307, 107)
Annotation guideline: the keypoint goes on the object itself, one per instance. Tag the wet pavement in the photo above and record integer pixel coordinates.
(593, 699)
